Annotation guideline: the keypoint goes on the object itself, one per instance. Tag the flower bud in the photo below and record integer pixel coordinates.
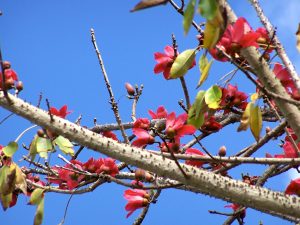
(129, 88)
(6, 65)
(268, 129)
(222, 151)
(40, 133)
(20, 86)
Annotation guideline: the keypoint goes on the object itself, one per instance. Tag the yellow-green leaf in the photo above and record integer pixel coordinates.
(21, 183)
(196, 112)
(254, 97)
(36, 196)
(65, 145)
(196, 121)
(255, 122)
(213, 97)
(214, 29)
(7, 179)
(6, 200)
(32, 148)
(204, 67)
(208, 8)
(43, 146)
(188, 16)
(10, 149)
(245, 120)
(182, 63)
(39, 214)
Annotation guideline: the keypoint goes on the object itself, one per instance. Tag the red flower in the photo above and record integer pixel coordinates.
(143, 138)
(108, 166)
(235, 208)
(62, 112)
(67, 178)
(136, 199)
(142, 123)
(232, 97)
(286, 80)
(165, 61)
(294, 187)
(176, 128)
(161, 113)
(109, 134)
(193, 151)
(236, 36)
(211, 124)
(10, 77)
(289, 151)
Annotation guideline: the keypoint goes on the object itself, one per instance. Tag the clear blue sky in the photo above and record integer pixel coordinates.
(49, 46)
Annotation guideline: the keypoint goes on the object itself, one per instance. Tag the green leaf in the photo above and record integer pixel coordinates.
(43, 146)
(10, 149)
(20, 183)
(211, 35)
(32, 148)
(204, 67)
(65, 145)
(200, 105)
(196, 112)
(39, 214)
(213, 97)
(196, 121)
(245, 120)
(7, 179)
(6, 200)
(255, 122)
(208, 8)
(182, 63)
(188, 16)
(214, 29)
(36, 196)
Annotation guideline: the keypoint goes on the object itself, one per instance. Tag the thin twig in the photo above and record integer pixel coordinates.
(108, 86)
(5, 118)
(179, 10)
(49, 111)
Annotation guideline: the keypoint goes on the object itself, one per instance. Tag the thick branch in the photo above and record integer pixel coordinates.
(262, 199)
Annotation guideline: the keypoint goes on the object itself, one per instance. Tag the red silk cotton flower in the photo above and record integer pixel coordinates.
(136, 199)
(237, 36)
(176, 127)
(294, 187)
(193, 151)
(165, 61)
(62, 112)
(161, 113)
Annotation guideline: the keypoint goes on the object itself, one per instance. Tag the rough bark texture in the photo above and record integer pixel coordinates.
(201, 181)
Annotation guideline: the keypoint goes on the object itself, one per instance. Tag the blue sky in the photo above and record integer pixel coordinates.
(49, 46)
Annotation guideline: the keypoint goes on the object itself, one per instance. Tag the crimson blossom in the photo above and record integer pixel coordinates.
(236, 36)
(136, 199)
(176, 127)
(165, 61)
(294, 187)
(62, 112)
